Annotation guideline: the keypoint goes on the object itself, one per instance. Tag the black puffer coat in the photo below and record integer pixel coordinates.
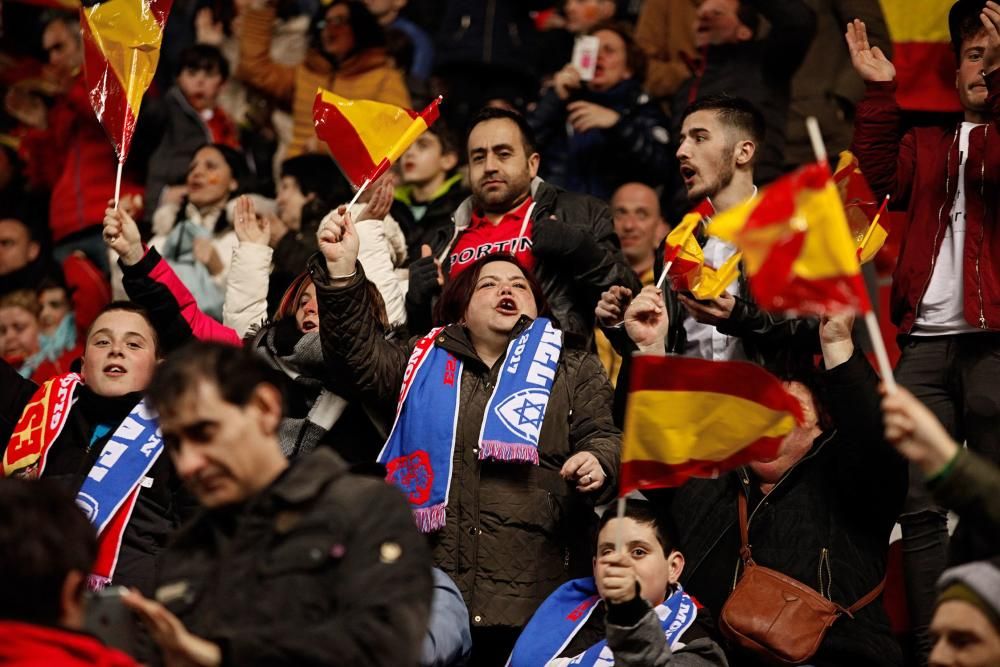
(514, 531)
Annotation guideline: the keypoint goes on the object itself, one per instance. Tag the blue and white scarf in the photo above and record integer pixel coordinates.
(419, 453)
(568, 609)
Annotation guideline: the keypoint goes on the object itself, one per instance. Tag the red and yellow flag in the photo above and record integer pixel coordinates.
(689, 417)
(121, 47)
(922, 54)
(797, 249)
(366, 137)
(688, 271)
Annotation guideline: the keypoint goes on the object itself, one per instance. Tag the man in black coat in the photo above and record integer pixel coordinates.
(287, 564)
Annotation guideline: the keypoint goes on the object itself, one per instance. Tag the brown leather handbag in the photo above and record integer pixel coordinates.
(775, 616)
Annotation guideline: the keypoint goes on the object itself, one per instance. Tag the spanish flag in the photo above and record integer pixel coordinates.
(922, 54)
(688, 271)
(797, 248)
(689, 417)
(121, 47)
(366, 137)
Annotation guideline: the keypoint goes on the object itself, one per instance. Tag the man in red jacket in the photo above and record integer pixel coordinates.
(68, 151)
(47, 547)
(946, 286)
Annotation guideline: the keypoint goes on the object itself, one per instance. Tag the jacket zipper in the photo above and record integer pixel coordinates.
(746, 483)
(982, 231)
(937, 232)
(488, 33)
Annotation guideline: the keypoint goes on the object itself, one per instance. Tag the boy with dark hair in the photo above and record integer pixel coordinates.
(431, 191)
(187, 117)
(47, 547)
(632, 611)
(945, 284)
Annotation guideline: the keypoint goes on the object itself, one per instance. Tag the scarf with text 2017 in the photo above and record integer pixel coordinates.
(419, 453)
(568, 609)
(109, 492)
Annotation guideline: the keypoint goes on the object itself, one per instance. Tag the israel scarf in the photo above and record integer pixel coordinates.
(419, 453)
(568, 609)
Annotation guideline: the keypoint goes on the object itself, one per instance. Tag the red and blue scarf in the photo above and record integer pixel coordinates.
(419, 453)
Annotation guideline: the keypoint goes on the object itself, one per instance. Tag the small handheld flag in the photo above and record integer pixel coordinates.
(684, 260)
(689, 417)
(121, 48)
(366, 137)
(875, 237)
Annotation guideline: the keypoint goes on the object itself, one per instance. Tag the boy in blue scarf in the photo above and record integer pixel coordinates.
(632, 611)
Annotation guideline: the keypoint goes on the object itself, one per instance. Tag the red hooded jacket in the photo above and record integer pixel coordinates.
(920, 170)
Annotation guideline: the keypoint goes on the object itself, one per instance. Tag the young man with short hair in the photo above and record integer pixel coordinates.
(945, 285)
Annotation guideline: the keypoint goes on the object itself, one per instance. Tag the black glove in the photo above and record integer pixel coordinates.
(423, 281)
(553, 238)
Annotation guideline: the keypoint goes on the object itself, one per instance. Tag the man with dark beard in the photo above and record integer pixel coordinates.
(566, 238)
(720, 140)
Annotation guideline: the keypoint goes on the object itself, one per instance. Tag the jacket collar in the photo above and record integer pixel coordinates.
(306, 477)
(456, 338)
(543, 194)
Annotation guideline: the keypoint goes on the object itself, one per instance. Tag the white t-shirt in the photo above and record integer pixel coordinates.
(941, 311)
(704, 340)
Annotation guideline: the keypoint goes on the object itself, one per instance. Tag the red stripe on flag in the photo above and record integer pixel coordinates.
(645, 474)
(735, 378)
(925, 76)
(107, 97)
(353, 157)
(816, 297)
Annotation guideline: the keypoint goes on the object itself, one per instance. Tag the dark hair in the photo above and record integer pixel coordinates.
(203, 57)
(43, 537)
(458, 290)
(496, 113)
(964, 23)
(644, 512)
(234, 370)
(444, 134)
(315, 174)
(735, 112)
(635, 57)
(367, 31)
(129, 307)
(749, 16)
(236, 160)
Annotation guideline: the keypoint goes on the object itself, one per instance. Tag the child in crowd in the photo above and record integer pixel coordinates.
(431, 191)
(632, 611)
(21, 340)
(187, 117)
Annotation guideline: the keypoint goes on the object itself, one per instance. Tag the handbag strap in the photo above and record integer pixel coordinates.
(747, 558)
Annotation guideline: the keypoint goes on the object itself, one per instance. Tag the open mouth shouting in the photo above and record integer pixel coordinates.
(688, 173)
(507, 306)
(309, 325)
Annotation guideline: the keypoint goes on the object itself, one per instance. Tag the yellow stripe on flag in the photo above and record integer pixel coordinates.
(675, 427)
(829, 250)
(129, 38)
(917, 20)
(385, 129)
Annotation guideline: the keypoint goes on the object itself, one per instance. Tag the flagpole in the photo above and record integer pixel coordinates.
(667, 265)
(118, 182)
(871, 322)
(357, 195)
(620, 533)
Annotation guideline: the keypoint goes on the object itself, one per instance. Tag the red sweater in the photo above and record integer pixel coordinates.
(920, 170)
(27, 645)
(74, 158)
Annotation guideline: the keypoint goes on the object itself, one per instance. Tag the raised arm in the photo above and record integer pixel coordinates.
(150, 282)
(245, 305)
(256, 67)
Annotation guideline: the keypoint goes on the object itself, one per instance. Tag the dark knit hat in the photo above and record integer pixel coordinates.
(976, 583)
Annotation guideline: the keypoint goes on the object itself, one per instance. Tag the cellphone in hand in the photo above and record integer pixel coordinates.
(585, 50)
(108, 619)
